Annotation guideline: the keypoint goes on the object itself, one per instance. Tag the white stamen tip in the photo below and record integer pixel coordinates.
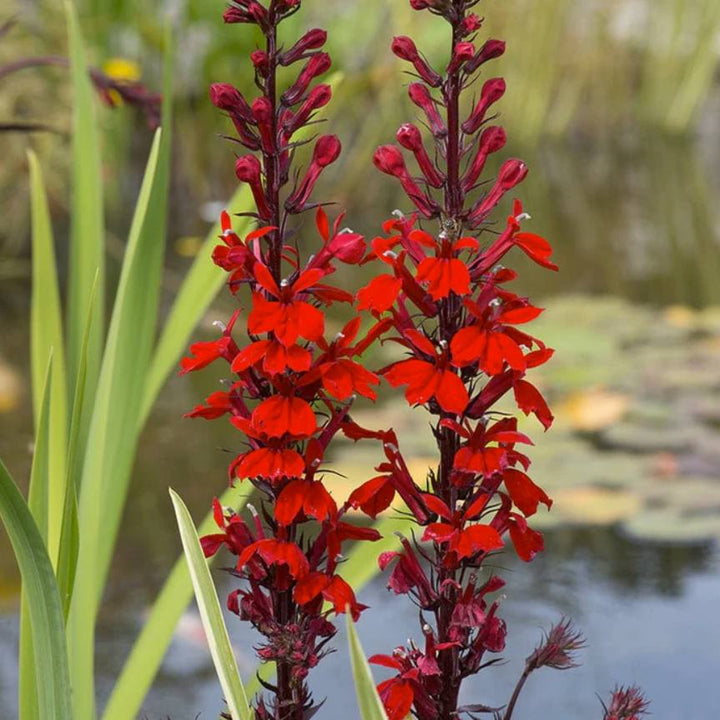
(221, 326)
(523, 216)
(390, 254)
(284, 282)
(253, 510)
(398, 214)
(346, 231)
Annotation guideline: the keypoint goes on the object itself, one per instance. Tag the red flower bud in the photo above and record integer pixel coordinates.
(319, 97)
(492, 139)
(263, 114)
(489, 51)
(461, 54)
(327, 150)
(389, 160)
(260, 61)
(405, 49)
(247, 169)
(492, 91)
(311, 40)
(472, 23)
(317, 65)
(411, 139)
(512, 173)
(420, 95)
(226, 97)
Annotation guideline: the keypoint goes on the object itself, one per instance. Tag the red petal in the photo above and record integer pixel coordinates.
(524, 492)
(309, 587)
(451, 393)
(478, 538)
(380, 294)
(468, 345)
(290, 502)
(440, 532)
(528, 543)
(373, 496)
(530, 400)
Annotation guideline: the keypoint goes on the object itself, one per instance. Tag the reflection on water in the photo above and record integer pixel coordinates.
(639, 222)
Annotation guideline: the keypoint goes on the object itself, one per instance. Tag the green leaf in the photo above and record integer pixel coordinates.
(149, 650)
(211, 614)
(69, 537)
(371, 707)
(44, 609)
(113, 432)
(38, 505)
(87, 247)
(46, 336)
(200, 287)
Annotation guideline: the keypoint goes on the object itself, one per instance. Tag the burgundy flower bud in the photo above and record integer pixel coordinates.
(492, 91)
(512, 173)
(472, 23)
(317, 65)
(260, 61)
(420, 95)
(327, 150)
(251, 12)
(405, 49)
(319, 97)
(411, 139)
(557, 649)
(226, 97)
(492, 139)
(237, 15)
(311, 40)
(263, 114)
(287, 5)
(248, 170)
(389, 160)
(461, 54)
(489, 51)
(421, 4)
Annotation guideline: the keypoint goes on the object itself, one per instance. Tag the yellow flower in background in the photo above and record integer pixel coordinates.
(122, 69)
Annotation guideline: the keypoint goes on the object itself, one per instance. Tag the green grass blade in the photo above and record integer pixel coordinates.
(87, 247)
(113, 434)
(38, 499)
(211, 614)
(371, 707)
(69, 537)
(46, 336)
(44, 609)
(142, 297)
(201, 285)
(151, 645)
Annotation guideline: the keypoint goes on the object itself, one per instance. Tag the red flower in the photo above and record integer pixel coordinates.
(204, 353)
(288, 317)
(444, 273)
(306, 496)
(373, 496)
(528, 542)
(276, 358)
(380, 294)
(428, 379)
(397, 696)
(284, 415)
(524, 492)
(334, 589)
(217, 405)
(490, 342)
(276, 552)
(340, 376)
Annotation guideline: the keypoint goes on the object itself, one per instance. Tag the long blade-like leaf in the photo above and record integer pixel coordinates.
(87, 247)
(44, 609)
(371, 707)
(112, 435)
(199, 289)
(38, 498)
(46, 335)
(142, 298)
(69, 536)
(211, 614)
(147, 654)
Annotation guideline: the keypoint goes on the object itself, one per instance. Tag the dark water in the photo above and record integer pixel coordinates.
(640, 221)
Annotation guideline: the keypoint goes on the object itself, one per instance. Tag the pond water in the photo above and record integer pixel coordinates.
(640, 223)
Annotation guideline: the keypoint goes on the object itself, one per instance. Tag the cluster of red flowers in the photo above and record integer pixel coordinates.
(446, 297)
(291, 387)
(443, 296)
